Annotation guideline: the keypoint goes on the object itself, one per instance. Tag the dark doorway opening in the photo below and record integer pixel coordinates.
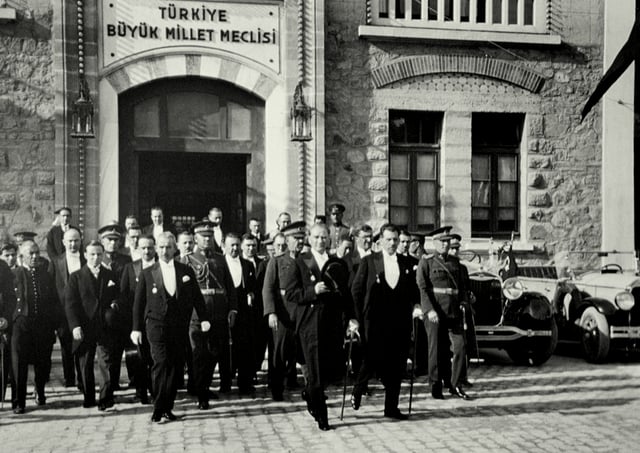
(187, 185)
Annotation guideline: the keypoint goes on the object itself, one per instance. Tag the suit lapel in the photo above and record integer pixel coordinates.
(179, 275)
(88, 276)
(312, 265)
(378, 263)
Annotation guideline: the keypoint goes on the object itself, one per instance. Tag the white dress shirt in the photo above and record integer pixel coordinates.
(321, 258)
(235, 269)
(217, 235)
(391, 269)
(157, 231)
(146, 264)
(168, 276)
(73, 262)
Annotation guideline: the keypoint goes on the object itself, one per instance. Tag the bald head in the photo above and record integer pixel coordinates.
(71, 240)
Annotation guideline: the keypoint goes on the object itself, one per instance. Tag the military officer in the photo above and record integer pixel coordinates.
(288, 245)
(211, 348)
(338, 231)
(442, 290)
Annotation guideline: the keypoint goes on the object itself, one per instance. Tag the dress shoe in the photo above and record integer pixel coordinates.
(457, 391)
(324, 425)
(356, 399)
(466, 383)
(156, 417)
(307, 399)
(41, 401)
(395, 414)
(436, 391)
(105, 404)
(203, 405)
(170, 416)
(88, 404)
(18, 410)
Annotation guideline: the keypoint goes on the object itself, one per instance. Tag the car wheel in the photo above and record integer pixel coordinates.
(595, 335)
(535, 351)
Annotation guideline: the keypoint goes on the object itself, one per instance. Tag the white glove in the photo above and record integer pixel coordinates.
(136, 337)
(205, 326)
(417, 313)
(353, 327)
(273, 321)
(77, 333)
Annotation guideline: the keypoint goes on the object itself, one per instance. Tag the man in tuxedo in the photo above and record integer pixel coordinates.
(158, 225)
(166, 295)
(385, 293)
(215, 217)
(244, 334)
(91, 301)
(55, 244)
(255, 230)
(132, 236)
(363, 240)
(211, 348)
(140, 366)
(318, 312)
(60, 268)
(34, 317)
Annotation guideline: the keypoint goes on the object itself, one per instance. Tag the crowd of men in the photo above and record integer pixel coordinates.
(207, 299)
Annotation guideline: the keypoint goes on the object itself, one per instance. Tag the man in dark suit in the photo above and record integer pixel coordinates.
(385, 292)
(91, 299)
(158, 225)
(255, 230)
(55, 244)
(139, 361)
(259, 325)
(60, 268)
(110, 236)
(7, 307)
(166, 295)
(318, 314)
(442, 292)
(282, 353)
(34, 317)
(245, 288)
(363, 242)
(211, 348)
(215, 217)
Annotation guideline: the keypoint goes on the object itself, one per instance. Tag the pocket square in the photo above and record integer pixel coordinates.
(185, 279)
(111, 283)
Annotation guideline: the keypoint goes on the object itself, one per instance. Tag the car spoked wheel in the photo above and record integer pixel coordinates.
(595, 335)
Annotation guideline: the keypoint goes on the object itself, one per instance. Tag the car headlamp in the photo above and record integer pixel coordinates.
(512, 288)
(625, 301)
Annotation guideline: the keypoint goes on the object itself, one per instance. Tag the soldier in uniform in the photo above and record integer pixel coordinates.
(117, 327)
(288, 245)
(442, 290)
(471, 343)
(318, 314)
(338, 231)
(7, 306)
(415, 245)
(211, 348)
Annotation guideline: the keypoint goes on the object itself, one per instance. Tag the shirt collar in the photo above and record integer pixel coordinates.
(164, 264)
(386, 256)
(317, 255)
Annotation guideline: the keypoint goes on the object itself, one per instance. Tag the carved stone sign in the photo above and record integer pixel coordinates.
(134, 27)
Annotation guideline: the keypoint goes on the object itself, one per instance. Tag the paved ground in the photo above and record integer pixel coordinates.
(567, 405)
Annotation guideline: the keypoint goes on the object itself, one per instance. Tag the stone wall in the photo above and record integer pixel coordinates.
(560, 172)
(27, 127)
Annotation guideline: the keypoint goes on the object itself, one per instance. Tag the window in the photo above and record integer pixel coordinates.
(496, 141)
(413, 169)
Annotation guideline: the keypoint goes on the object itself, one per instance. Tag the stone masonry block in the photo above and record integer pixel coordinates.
(539, 199)
(8, 201)
(377, 184)
(46, 178)
(380, 168)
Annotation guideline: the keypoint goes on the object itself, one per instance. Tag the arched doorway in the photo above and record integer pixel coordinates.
(188, 144)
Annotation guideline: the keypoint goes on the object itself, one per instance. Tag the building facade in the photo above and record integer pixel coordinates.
(424, 113)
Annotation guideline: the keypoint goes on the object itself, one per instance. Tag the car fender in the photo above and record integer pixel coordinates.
(604, 306)
(536, 305)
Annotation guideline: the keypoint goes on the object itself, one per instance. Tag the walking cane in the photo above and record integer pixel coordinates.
(413, 362)
(346, 374)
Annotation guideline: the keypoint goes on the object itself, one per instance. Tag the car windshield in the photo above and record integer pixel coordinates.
(570, 264)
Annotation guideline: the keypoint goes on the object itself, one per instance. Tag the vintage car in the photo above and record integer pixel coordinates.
(598, 308)
(510, 317)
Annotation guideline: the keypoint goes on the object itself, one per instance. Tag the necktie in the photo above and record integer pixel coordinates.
(36, 295)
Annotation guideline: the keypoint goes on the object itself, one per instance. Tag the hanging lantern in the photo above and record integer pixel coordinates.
(82, 114)
(300, 117)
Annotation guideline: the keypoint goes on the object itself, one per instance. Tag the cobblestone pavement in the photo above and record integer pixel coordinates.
(566, 405)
